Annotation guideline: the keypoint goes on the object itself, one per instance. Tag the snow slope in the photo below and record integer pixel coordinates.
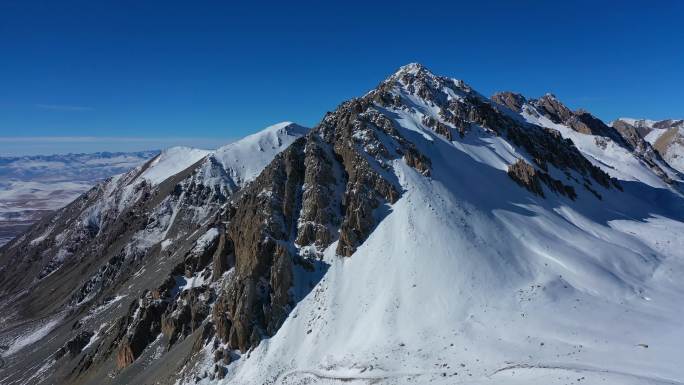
(470, 279)
(246, 158)
(242, 160)
(171, 162)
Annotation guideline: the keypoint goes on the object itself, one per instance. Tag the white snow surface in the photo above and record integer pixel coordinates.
(243, 160)
(472, 280)
(246, 158)
(172, 161)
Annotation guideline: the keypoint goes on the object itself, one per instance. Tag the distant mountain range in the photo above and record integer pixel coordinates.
(420, 233)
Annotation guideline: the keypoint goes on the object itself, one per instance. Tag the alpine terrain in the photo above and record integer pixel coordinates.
(421, 233)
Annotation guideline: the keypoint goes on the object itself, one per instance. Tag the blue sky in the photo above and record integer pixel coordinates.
(124, 75)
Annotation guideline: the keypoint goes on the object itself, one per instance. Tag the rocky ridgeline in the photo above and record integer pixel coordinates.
(584, 122)
(666, 146)
(458, 114)
(323, 188)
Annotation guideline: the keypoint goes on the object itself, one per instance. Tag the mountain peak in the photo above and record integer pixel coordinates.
(412, 68)
(285, 125)
(550, 96)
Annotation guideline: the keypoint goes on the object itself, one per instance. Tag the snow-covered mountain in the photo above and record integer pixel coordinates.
(666, 137)
(619, 151)
(32, 186)
(421, 233)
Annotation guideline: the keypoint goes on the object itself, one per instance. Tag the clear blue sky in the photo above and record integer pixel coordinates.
(200, 72)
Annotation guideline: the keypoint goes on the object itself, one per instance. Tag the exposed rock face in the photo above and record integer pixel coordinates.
(75, 345)
(139, 329)
(224, 256)
(584, 122)
(549, 106)
(511, 100)
(642, 148)
(580, 120)
(186, 314)
(366, 189)
(631, 135)
(265, 214)
(527, 176)
(202, 254)
(319, 216)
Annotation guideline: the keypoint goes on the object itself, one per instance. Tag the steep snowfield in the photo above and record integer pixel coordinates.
(246, 158)
(239, 161)
(469, 279)
(656, 133)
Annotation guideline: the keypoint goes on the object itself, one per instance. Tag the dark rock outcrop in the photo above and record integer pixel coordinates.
(74, 346)
(581, 120)
(511, 100)
(527, 176)
(139, 329)
(224, 256)
(642, 148)
(186, 314)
